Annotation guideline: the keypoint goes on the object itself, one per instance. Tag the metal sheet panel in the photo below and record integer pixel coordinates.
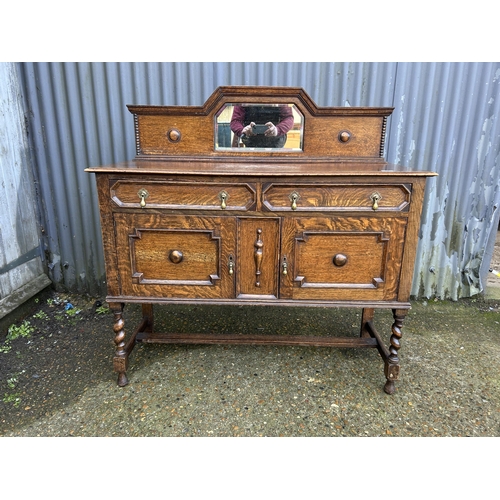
(446, 120)
(20, 250)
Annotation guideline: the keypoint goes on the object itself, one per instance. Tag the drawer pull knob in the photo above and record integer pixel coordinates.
(344, 136)
(293, 198)
(230, 265)
(173, 135)
(340, 260)
(223, 197)
(176, 256)
(375, 197)
(143, 194)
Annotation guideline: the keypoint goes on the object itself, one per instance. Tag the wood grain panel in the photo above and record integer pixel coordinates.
(196, 134)
(148, 269)
(338, 197)
(175, 256)
(108, 235)
(322, 136)
(195, 129)
(185, 195)
(373, 249)
(258, 257)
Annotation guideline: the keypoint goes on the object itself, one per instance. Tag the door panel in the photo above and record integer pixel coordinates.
(343, 258)
(175, 256)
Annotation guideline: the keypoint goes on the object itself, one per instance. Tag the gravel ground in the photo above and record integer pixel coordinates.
(58, 380)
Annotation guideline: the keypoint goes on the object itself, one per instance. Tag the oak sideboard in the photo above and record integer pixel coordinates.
(260, 197)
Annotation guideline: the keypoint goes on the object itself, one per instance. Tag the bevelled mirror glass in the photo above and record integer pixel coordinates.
(259, 127)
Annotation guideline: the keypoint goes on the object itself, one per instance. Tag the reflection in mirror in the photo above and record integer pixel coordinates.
(259, 127)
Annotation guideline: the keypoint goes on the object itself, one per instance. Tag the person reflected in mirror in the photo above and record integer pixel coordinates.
(261, 126)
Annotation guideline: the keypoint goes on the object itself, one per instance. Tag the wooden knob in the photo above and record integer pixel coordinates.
(174, 135)
(340, 260)
(344, 136)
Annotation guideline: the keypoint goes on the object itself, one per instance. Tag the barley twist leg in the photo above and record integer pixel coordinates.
(392, 362)
(120, 361)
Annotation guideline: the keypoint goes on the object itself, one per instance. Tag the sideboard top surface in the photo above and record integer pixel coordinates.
(272, 169)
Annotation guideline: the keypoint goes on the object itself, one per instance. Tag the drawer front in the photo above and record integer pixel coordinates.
(181, 257)
(183, 195)
(343, 259)
(336, 197)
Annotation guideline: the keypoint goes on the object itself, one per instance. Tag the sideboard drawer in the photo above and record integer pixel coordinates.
(337, 197)
(183, 195)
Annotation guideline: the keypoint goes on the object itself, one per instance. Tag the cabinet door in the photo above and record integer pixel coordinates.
(342, 258)
(175, 256)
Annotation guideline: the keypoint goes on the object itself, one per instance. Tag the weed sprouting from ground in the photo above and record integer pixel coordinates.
(25, 329)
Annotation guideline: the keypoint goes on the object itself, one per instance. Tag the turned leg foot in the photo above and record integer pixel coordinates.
(390, 387)
(391, 368)
(122, 379)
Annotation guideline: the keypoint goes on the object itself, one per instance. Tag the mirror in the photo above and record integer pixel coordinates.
(259, 127)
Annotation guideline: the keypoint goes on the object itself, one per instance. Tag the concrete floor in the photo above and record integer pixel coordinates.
(58, 382)
(450, 381)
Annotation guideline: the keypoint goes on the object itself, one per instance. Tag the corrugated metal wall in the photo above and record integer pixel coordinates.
(446, 119)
